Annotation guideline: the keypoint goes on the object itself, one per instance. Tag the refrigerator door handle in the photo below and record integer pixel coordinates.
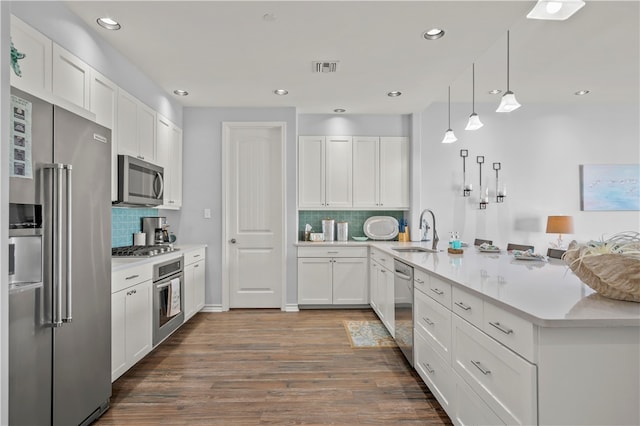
(69, 261)
(56, 221)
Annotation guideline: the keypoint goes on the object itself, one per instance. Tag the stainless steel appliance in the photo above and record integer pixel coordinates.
(60, 289)
(156, 230)
(168, 290)
(140, 183)
(142, 251)
(403, 297)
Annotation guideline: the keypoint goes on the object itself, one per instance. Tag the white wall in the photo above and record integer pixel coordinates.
(540, 147)
(56, 21)
(202, 188)
(354, 125)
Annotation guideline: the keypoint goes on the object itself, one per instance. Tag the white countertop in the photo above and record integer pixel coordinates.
(118, 263)
(546, 293)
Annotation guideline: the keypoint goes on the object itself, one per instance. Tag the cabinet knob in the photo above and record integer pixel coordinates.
(232, 241)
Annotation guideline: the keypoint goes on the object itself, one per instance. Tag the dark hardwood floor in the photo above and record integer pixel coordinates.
(258, 367)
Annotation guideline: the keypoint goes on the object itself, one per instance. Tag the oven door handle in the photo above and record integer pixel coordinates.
(164, 285)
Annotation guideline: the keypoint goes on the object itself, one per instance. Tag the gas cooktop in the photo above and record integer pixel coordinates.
(141, 251)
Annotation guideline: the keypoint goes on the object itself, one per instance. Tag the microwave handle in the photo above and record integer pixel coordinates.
(159, 179)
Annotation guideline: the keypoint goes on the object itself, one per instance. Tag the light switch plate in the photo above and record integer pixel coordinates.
(207, 213)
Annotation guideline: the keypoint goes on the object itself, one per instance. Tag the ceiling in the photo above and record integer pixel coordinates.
(236, 53)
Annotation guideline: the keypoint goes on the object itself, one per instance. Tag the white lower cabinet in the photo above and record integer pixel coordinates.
(194, 282)
(435, 371)
(131, 321)
(469, 408)
(328, 276)
(381, 288)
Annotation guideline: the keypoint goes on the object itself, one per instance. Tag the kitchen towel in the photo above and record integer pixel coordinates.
(174, 298)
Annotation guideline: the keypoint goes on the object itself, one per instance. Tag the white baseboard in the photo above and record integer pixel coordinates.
(212, 308)
(291, 307)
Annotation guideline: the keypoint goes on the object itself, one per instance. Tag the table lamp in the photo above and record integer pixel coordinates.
(560, 225)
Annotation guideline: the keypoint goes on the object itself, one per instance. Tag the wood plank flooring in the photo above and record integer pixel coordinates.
(267, 367)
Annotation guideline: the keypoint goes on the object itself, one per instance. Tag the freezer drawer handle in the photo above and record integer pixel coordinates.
(501, 327)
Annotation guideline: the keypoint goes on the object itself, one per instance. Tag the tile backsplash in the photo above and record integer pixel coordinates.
(356, 219)
(124, 222)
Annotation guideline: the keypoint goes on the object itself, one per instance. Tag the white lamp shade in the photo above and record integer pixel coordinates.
(449, 137)
(555, 10)
(508, 103)
(474, 122)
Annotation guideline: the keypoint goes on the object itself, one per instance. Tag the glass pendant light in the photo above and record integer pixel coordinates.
(449, 137)
(555, 10)
(508, 102)
(474, 121)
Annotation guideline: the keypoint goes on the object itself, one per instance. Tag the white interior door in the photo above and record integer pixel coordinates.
(253, 214)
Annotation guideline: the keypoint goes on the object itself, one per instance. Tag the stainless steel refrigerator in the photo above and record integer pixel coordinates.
(59, 301)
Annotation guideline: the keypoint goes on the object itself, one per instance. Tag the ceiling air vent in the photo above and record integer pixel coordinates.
(325, 66)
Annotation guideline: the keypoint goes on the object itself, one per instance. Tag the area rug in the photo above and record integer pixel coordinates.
(368, 334)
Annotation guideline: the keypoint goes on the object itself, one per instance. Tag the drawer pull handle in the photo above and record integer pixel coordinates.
(130, 277)
(427, 320)
(419, 281)
(501, 327)
(479, 367)
(332, 252)
(196, 266)
(437, 291)
(196, 255)
(463, 306)
(428, 368)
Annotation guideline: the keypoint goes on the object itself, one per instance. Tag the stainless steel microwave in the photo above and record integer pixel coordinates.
(140, 183)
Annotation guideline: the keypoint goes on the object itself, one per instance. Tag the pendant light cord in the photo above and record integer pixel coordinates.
(507, 60)
(473, 88)
(449, 107)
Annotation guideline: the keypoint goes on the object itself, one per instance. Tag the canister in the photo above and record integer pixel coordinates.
(328, 229)
(343, 231)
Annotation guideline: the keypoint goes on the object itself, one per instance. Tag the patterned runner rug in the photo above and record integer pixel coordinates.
(368, 334)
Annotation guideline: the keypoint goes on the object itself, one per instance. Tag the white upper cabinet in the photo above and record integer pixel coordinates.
(366, 188)
(169, 156)
(325, 172)
(35, 67)
(394, 172)
(71, 78)
(136, 127)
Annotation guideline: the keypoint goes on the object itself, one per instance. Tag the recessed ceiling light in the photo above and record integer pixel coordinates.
(108, 23)
(433, 34)
(269, 17)
(394, 94)
(495, 91)
(339, 110)
(180, 92)
(281, 92)
(581, 92)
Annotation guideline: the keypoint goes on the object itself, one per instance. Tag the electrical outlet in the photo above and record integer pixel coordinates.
(207, 213)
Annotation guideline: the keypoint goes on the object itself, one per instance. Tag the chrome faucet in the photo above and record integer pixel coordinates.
(423, 222)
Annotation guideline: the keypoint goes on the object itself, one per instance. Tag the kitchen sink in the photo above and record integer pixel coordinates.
(414, 250)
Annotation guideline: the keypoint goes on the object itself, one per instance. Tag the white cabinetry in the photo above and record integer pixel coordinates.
(381, 288)
(71, 78)
(332, 276)
(169, 156)
(104, 98)
(35, 67)
(131, 317)
(380, 172)
(136, 127)
(194, 279)
(325, 172)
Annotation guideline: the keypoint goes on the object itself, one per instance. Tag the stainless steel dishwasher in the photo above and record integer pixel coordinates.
(403, 300)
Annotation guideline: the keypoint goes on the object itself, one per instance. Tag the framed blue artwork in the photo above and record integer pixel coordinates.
(609, 187)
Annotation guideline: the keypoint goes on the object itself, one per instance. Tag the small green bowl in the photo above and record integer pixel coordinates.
(360, 238)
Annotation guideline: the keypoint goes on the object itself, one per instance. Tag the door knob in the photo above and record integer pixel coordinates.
(232, 241)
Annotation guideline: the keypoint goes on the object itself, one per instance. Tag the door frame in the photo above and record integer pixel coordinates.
(227, 127)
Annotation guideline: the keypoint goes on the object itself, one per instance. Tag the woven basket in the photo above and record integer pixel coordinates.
(612, 275)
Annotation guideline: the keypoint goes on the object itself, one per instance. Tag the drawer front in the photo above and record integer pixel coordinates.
(467, 305)
(435, 372)
(125, 278)
(469, 408)
(382, 258)
(332, 251)
(509, 329)
(421, 280)
(193, 256)
(433, 321)
(440, 290)
(504, 381)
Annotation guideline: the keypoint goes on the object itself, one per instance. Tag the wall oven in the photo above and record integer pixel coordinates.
(140, 183)
(168, 298)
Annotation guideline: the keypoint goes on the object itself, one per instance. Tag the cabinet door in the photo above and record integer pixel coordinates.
(127, 124)
(175, 167)
(163, 155)
(118, 334)
(138, 321)
(71, 78)
(35, 67)
(311, 158)
(381, 294)
(373, 286)
(146, 132)
(350, 281)
(314, 281)
(189, 291)
(338, 172)
(199, 284)
(365, 171)
(389, 303)
(394, 172)
(104, 97)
